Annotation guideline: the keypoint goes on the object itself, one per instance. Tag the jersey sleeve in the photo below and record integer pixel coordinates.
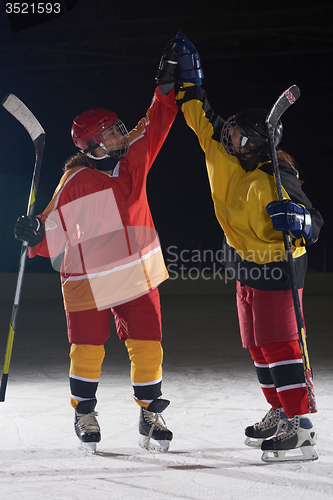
(292, 185)
(157, 123)
(199, 115)
(55, 228)
(54, 238)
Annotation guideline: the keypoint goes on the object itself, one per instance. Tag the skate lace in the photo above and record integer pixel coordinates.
(88, 422)
(287, 428)
(155, 420)
(271, 418)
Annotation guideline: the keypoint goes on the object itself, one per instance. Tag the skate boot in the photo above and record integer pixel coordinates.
(86, 425)
(266, 428)
(154, 435)
(294, 441)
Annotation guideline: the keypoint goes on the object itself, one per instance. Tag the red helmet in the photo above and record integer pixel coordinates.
(88, 126)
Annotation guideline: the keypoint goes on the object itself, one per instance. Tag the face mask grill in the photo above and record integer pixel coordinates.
(114, 140)
(244, 141)
(233, 138)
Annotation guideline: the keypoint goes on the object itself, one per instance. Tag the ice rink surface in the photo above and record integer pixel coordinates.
(214, 394)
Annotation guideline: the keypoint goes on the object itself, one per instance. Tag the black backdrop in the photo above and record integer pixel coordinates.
(106, 54)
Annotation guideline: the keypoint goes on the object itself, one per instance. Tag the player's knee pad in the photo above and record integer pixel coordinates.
(86, 360)
(257, 355)
(146, 359)
(281, 351)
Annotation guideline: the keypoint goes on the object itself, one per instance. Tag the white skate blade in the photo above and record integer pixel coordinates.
(302, 454)
(253, 442)
(153, 444)
(90, 447)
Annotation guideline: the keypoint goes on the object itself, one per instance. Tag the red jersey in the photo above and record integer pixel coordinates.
(104, 224)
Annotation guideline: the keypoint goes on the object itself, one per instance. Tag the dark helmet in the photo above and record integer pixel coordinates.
(253, 133)
(88, 127)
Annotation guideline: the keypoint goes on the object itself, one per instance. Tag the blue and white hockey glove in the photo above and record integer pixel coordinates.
(287, 215)
(30, 229)
(188, 60)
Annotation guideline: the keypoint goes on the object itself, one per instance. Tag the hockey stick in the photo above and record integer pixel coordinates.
(16, 108)
(282, 104)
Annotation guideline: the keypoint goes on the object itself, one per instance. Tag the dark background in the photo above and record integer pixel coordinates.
(106, 53)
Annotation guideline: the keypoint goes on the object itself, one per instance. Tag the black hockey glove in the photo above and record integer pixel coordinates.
(30, 229)
(168, 67)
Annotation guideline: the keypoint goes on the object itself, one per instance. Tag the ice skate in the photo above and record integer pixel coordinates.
(260, 431)
(86, 426)
(154, 435)
(294, 441)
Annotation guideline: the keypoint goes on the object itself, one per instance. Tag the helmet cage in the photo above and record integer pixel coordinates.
(251, 138)
(117, 138)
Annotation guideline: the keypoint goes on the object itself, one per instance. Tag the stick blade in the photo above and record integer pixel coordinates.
(286, 99)
(292, 93)
(20, 111)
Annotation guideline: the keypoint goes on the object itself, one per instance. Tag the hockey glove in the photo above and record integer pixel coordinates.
(168, 67)
(188, 61)
(286, 215)
(30, 229)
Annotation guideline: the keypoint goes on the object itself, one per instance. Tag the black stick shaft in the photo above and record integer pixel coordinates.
(290, 262)
(39, 147)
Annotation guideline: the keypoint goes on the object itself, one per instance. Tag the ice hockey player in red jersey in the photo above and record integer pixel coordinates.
(245, 200)
(99, 221)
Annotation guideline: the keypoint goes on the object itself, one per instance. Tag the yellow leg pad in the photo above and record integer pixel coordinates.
(86, 361)
(146, 369)
(146, 360)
